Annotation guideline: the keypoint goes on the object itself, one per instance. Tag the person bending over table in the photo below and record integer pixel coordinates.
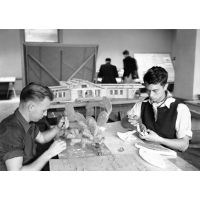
(167, 121)
(108, 72)
(19, 133)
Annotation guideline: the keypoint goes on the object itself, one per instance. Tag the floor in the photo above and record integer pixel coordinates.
(192, 155)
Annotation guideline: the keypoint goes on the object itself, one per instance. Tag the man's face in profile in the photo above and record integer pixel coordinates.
(39, 109)
(156, 92)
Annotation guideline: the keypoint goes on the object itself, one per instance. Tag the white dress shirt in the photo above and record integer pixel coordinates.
(183, 120)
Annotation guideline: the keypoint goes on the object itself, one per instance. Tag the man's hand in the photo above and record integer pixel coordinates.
(133, 120)
(57, 147)
(63, 123)
(151, 136)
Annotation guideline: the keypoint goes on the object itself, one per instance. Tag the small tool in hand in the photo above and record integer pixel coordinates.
(63, 123)
(143, 132)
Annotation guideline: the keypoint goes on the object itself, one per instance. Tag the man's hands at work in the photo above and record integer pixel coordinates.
(151, 136)
(63, 123)
(136, 121)
(133, 119)
(57, 147)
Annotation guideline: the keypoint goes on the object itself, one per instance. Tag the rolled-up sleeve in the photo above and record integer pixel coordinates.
(135, 110)
(183, 122)
(12, 143)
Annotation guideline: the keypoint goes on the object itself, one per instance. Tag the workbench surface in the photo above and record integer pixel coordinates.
(114, 159)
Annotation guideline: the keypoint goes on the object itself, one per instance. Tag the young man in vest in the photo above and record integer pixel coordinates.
(168, 121)
(19, 133)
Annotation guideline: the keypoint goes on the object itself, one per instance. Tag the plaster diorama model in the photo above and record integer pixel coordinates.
(86, 130)
(82, 90)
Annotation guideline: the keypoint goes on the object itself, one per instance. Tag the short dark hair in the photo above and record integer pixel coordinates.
(125, 52)
(34, 91)
(108, 59)
(156, 75)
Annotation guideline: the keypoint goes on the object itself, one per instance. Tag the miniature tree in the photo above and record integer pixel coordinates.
(87, 130)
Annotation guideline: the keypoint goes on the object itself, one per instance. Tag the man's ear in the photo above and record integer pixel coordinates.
(30, 106)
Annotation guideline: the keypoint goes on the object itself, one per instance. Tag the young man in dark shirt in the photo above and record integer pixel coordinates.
(18, 132)
(130, 68)
(167, 120)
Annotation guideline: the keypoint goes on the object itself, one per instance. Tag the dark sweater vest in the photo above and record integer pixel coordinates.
(166, 119)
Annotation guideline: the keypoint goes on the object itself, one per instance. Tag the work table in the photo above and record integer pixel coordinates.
(113, 159)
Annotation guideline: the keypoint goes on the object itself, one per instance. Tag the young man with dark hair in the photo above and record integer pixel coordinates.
(130, 68)
(108, 72)
(18, 132)
(168, 121)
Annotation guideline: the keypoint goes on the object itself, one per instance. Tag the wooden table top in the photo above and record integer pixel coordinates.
(194, 107)
(113, 159)
(193, 102)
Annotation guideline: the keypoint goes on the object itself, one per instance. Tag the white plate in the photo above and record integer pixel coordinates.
(127, 136)
(152, 158)
(157, 149)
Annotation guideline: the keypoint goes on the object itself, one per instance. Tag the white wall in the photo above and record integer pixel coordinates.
(112, 42)
(196, 86)
(10, 54)
(184, 52)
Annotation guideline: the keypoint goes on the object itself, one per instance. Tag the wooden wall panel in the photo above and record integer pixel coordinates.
(51, 63)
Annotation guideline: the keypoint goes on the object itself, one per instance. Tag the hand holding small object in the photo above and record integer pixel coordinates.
(141, 128)
(57, 147)
(133, 119)
(63, 123)
(136, 121)
(151, 136)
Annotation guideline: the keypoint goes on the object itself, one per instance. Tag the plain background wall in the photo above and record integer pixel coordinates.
(185, 46)
(112, 42)
(10, 55)
(182, 44)
(197, 66)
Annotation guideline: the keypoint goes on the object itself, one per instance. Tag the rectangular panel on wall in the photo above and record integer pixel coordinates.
(50, 63)
(148, 60)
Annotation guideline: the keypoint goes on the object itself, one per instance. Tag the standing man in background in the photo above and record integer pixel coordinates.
(108, 72)
(130, 68)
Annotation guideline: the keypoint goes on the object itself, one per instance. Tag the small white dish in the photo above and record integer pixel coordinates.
(127, 136)
(152, 158)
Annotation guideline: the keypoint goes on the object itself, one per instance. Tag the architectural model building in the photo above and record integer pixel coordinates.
(82, 90)
(121, 91)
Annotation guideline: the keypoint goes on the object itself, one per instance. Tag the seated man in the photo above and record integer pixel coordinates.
(18, 132)
(168, 121)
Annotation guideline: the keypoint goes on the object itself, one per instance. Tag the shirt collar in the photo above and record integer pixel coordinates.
(167, 102)
(21, 119)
